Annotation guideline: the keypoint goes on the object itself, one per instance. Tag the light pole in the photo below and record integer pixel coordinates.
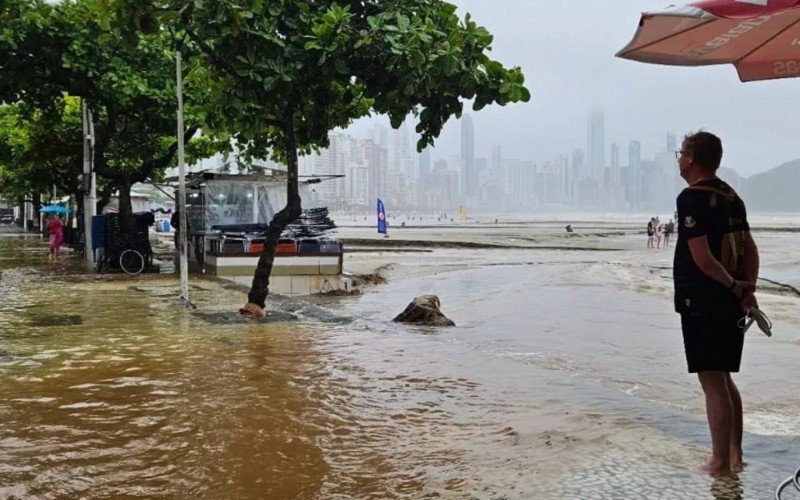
(182, 216)
(89, 188)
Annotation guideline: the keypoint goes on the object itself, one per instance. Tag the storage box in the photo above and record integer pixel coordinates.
(286, 247)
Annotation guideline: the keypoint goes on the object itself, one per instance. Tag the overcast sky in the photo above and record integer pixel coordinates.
(566, 50)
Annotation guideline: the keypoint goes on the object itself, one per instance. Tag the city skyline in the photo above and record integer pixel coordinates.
(383, 163)
(571, 68)
(596, 174)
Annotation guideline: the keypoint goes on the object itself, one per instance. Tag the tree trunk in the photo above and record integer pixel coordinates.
(105, 197)
(260, 287)
(37, 205)
(126, 222)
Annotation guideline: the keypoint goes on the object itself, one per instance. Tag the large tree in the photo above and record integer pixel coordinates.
(284, 73)
(67, 48)
(40, 149)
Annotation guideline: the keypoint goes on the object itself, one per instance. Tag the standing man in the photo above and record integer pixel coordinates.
(715, 272)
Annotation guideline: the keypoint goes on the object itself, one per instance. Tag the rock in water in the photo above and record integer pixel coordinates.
(424, 310)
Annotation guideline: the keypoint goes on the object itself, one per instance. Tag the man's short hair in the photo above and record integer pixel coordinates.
(705, 148)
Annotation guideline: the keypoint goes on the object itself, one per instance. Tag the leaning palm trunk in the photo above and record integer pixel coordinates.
(260, 288)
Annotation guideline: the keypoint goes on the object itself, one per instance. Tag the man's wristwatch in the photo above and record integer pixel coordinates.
(733, 285)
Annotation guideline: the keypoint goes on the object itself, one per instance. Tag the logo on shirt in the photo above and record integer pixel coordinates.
(689, 222)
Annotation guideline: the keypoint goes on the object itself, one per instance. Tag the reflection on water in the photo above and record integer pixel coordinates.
(108, 389)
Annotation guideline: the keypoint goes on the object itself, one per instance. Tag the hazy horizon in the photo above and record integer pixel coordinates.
(566, 50)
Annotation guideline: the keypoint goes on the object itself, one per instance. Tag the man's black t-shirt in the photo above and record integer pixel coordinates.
(713, 209)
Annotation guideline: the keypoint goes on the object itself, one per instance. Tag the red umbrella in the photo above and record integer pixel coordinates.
(760, 37)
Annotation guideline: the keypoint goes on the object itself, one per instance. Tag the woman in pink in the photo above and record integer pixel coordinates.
(56, 230)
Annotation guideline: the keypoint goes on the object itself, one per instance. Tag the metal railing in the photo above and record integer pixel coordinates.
(793, 480)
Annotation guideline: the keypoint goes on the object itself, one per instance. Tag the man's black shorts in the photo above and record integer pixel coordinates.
(713, 340)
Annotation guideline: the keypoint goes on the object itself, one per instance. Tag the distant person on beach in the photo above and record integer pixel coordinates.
(569, 228)
(55, 228)
(669, 227)
(651, 231)
(659, 234)
(715, 272)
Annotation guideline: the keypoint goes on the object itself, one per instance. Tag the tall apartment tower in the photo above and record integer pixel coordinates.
(672, 143)
(376, 159)
(469, 175)
(596, 145)
(634, 173)
(615, 166)
(424, 167)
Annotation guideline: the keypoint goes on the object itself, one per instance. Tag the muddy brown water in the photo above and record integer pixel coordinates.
(109, 389)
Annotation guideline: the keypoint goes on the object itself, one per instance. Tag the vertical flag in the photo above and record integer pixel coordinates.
(381, 217)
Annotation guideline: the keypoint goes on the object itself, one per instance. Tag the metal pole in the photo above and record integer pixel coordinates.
(182, 219)
(93, 187)
(255, 204)
(41, 215)
(88, 182)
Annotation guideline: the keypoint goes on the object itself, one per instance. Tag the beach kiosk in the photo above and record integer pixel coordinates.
(228, 215)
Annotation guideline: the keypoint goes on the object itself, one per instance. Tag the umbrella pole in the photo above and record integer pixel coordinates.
(182, 218)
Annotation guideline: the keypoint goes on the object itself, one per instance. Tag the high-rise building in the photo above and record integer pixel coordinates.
(400, 157)
(672, 143)
(400, 167)
(576, 173)
(634, 181)
(375, 159)
(424, 166)
(521, 177)
(469, 175)
(596, 145)
(615, 166)
(358, 185)
(497, 158)
(443, 190)
(380, 136)
(561, 166)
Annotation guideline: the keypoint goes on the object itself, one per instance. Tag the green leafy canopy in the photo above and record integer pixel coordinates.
(319, 65)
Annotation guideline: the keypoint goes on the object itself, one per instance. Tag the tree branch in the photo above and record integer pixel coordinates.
(150, 166)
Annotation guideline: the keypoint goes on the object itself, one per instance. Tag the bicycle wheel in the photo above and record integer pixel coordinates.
(131, 261)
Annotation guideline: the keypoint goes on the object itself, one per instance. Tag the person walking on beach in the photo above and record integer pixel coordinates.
(55, 228)
(715, 272)
(659, 234)
(669, 227)
(651, 230)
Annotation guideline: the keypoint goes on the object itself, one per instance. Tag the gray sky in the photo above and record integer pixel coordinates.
(566, 50)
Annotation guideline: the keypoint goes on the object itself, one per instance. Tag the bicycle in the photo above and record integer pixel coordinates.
(126, 258)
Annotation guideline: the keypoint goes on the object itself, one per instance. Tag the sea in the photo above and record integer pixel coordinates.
(564, 376)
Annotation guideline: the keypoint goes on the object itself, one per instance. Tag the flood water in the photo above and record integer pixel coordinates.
(564, 378)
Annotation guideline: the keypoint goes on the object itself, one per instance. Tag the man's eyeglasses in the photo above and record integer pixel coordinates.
(678, 154)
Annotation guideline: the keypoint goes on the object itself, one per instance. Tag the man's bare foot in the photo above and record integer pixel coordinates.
(251, 309)
(714, 468)
(738, 465)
